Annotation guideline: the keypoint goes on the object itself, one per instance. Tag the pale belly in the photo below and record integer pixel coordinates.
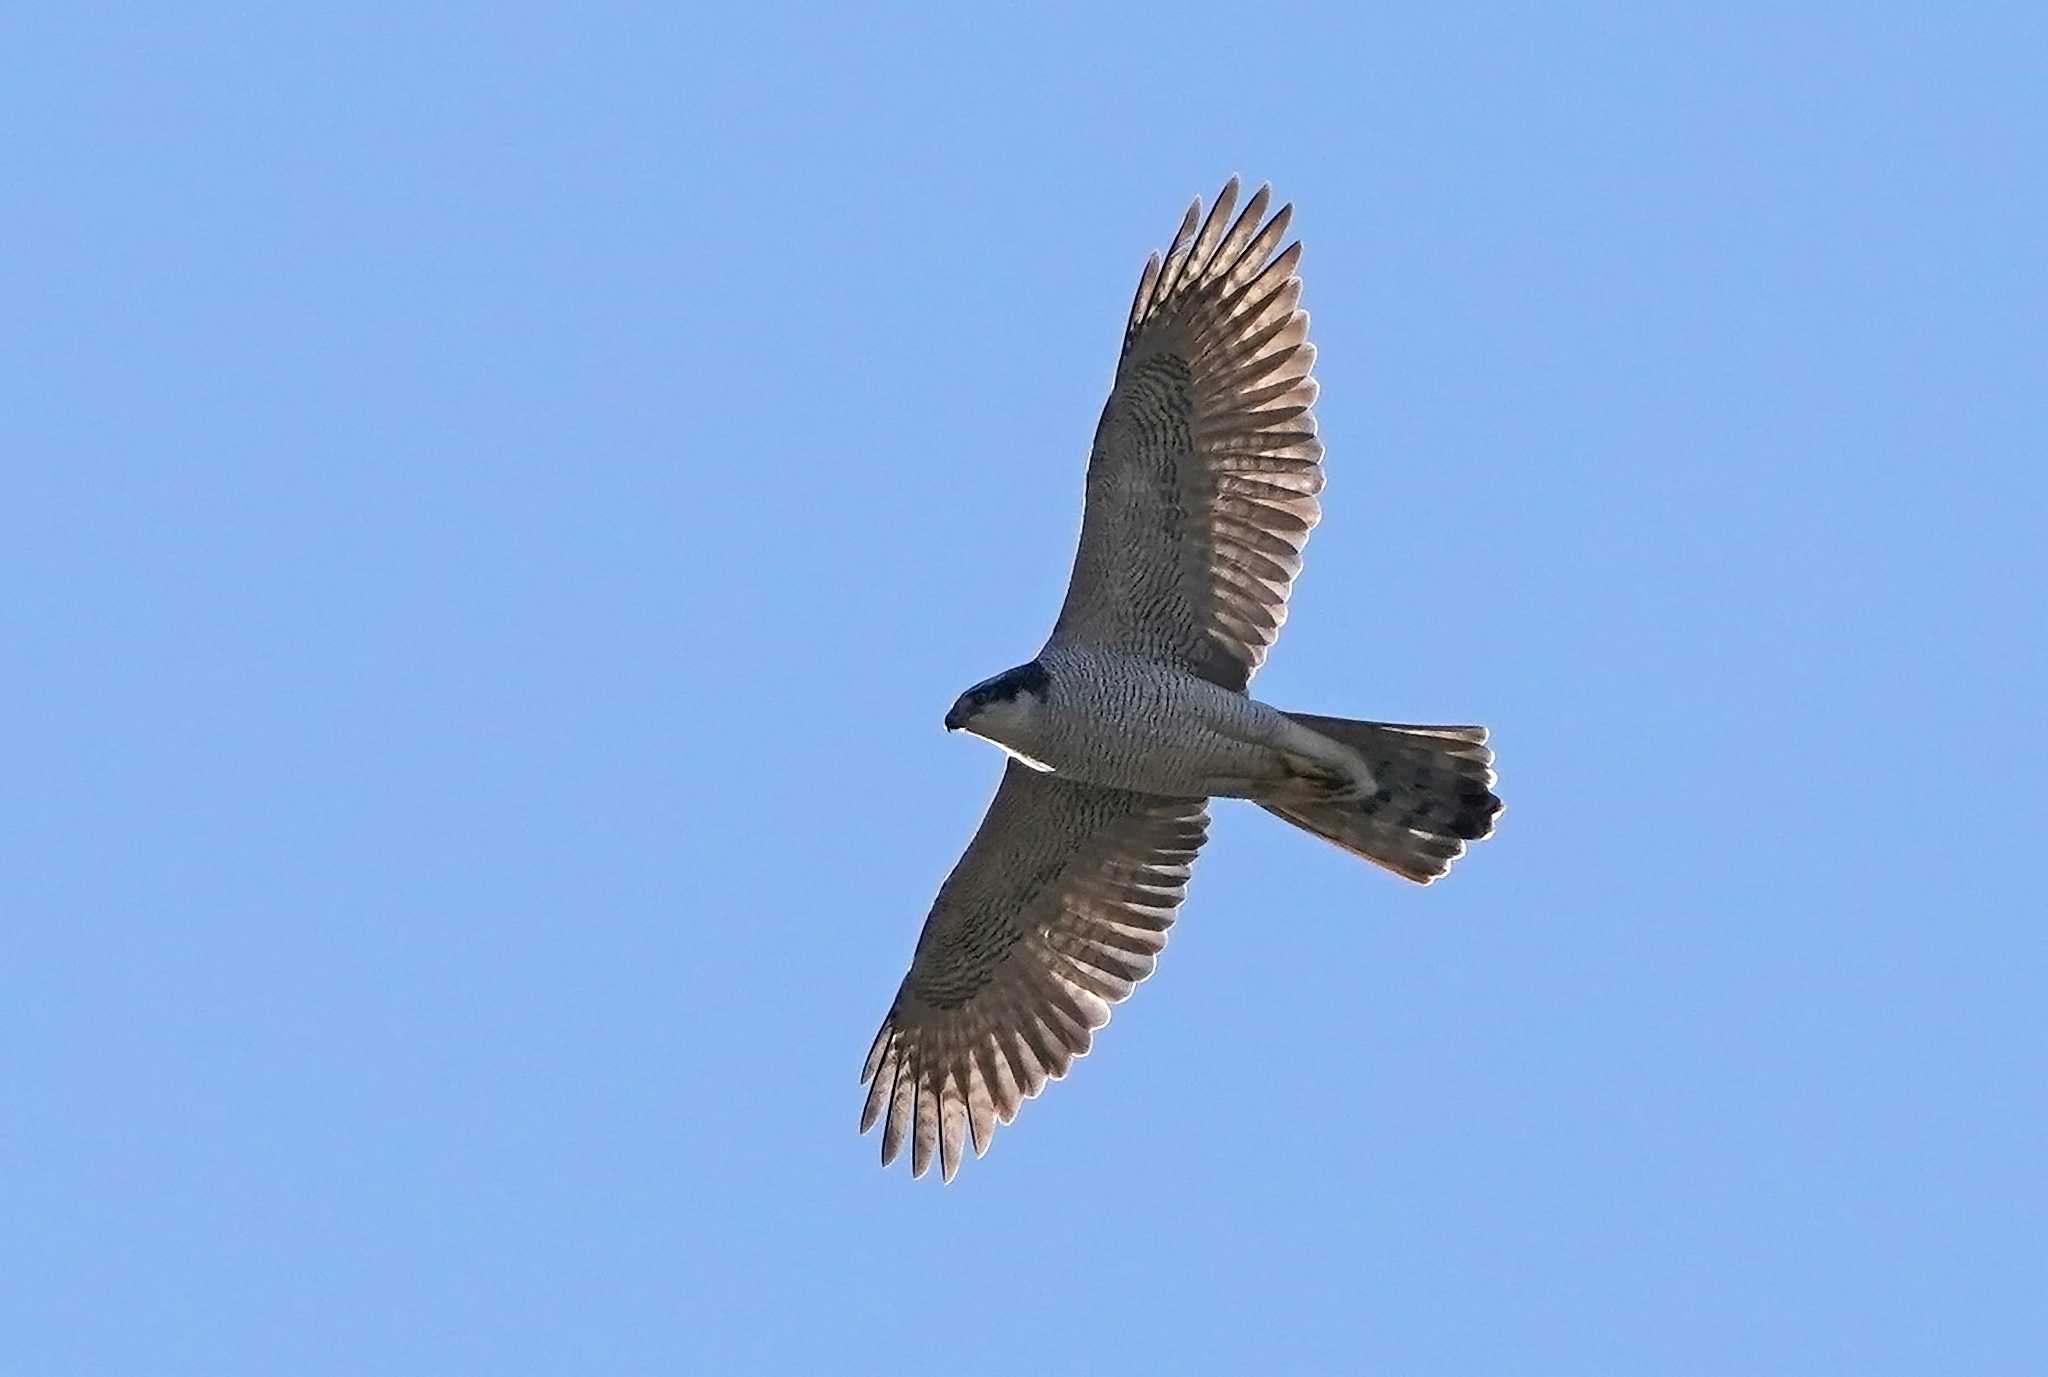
(1159, 731)
(1157, 759)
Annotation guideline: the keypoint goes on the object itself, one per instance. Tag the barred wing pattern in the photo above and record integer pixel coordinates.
(1203, 478)
(1057, 910)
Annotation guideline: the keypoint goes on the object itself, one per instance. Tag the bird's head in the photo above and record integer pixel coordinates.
(994, 708)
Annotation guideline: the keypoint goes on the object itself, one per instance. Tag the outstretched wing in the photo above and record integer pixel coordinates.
(1057, 910)
(1203, 479)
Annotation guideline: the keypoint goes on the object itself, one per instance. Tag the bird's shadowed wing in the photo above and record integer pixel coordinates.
(1203, 478)
(1057, 910)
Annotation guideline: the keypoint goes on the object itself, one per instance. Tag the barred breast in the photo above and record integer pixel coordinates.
(1130, 723)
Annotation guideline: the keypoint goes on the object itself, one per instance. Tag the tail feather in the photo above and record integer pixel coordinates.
(1433, 794)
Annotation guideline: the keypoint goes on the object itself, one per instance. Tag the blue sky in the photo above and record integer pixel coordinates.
(499, 501)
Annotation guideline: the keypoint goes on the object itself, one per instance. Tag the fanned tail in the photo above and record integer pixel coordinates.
(1433, 794)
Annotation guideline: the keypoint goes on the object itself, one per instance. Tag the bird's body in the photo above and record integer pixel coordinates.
(1118, 720)
(1201, 493)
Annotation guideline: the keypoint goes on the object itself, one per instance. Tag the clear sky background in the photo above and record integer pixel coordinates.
(498, 501)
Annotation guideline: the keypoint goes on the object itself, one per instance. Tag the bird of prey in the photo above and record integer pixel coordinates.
(1201, 492)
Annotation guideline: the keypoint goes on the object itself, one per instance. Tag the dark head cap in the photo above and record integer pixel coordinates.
(1030, 678)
